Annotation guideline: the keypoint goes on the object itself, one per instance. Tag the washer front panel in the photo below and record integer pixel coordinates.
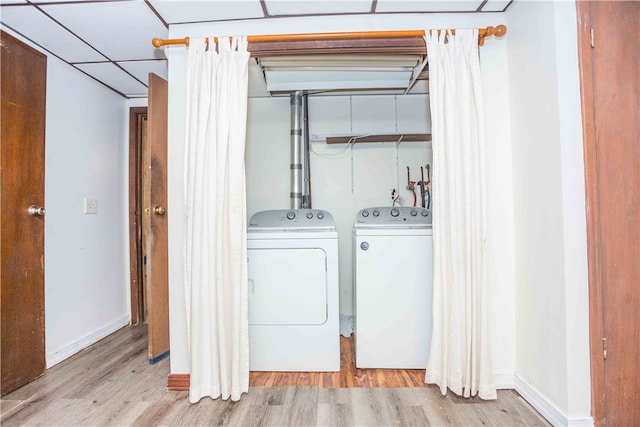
(393, 217)
(393, 296)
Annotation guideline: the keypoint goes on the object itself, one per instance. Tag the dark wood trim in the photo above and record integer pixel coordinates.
(178, 382)
(135, 212)
(16, 40)
(379, 46)
(596, 332)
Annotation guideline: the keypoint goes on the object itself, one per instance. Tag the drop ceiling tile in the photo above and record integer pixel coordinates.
(495, 5)
(121, 30)
(36, 26)
(174, 12)
(427, 6)
(115, 78)
(315, 7)
(141, 69)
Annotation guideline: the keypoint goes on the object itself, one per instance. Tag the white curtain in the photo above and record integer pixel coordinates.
(215, 250)
(459, 358)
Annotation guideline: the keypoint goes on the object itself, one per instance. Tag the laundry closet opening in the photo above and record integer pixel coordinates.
(365, 149)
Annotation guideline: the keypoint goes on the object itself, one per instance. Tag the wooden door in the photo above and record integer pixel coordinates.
(155, 219)
(23, 89)
(137, 138)
(610, 74)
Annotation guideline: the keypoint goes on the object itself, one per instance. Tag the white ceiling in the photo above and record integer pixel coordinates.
(110, 40)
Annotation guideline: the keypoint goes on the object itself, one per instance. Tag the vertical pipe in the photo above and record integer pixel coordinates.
(296, 150)
(306, 158)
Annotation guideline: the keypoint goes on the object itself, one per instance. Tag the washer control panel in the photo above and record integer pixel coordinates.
(292, 220)
(398, 216)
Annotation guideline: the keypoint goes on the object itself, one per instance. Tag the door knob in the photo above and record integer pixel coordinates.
(36, 210)
(159, 210)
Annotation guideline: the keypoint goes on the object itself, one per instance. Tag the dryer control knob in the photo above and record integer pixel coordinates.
(365, 213)
(376, 212)
(414, 212)
(395, 212)
(309, 215)
(291, 215)
(320, 215)
(425, 213)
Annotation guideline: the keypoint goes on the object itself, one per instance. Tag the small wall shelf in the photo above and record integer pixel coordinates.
(406, 137)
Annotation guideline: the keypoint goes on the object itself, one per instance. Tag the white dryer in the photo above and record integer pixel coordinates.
(293, 291)
(393, 268)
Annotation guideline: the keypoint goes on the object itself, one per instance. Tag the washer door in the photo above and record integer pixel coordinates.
(287, 286)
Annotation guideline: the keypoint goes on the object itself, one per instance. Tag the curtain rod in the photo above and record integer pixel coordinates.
(497, 31)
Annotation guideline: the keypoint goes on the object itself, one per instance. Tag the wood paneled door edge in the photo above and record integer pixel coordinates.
(135, 216)
(585, 64)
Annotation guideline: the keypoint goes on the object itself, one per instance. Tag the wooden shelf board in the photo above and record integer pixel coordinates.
(406, 137)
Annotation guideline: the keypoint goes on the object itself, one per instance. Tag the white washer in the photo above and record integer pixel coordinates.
(293, 291)
(393, 267)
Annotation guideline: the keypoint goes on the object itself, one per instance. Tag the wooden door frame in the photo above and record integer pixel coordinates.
(135, 213)
(596, 319)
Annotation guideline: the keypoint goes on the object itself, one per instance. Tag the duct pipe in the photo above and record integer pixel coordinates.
(296, 150)
(306, 164)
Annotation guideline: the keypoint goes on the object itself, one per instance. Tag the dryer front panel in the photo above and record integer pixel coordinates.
(287, 286)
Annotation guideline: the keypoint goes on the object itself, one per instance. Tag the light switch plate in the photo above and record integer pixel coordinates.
(90, 206)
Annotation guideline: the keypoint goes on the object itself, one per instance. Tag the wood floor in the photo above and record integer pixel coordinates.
(112, 384)
(348, 376)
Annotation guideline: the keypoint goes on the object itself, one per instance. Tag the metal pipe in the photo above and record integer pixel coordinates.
(296, 150)
(306, 158)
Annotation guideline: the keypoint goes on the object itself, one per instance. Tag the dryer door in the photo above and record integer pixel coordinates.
(287, 286)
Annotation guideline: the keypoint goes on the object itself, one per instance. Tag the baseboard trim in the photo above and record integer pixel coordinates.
(178, 382)
(84, 342)
(547, 409)
(581, 422)
(504, 380)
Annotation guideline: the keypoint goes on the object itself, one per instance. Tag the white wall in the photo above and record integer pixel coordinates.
(134, 102)
(86, 269)
(552, 357)
(273, 118)
(499, 205)
(86, 256)
(177, 59)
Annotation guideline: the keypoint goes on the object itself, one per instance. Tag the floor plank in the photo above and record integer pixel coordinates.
(112, 384)
(349, 375)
